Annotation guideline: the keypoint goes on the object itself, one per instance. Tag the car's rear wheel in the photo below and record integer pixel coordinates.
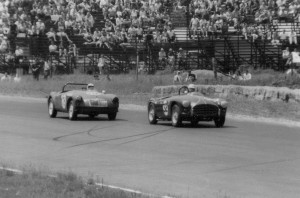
(176, 116)
(220, 121)
(151, 114)
(112, 116)
(71, 111)
(52, 111)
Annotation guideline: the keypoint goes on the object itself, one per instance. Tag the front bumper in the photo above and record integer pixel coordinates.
(188, 114)
(96, 110)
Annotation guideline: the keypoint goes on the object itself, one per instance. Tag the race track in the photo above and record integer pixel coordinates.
(244, 159)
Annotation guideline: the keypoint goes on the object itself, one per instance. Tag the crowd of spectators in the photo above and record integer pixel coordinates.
(58, 21)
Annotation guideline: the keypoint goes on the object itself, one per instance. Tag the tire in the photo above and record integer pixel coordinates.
(51, 110)
(194, 123)
(71, 111)
(220, 121)
(151, 114)
(112, 116)
(176, 116)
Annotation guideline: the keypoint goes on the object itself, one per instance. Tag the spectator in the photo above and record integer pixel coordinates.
(286, 57)
(190, 77)
(247, 76)
(17, 78)
(177, 78)
(47, 68)
(293, 38)
(101, 64)
(5, 77)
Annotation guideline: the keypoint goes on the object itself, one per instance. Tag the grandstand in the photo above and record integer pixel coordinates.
(239, 33)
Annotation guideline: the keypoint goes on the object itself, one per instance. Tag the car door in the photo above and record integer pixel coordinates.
(61, 101)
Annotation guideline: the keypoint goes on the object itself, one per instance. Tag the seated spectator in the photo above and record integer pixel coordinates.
(51, 35)
(53, 49)
(190, 77)
(177, 78)
(283, 37)
(247, 76)
(5, 77)
(17, 78)
(4, 45)
(238, 75)
(171, 36)
(286, 56)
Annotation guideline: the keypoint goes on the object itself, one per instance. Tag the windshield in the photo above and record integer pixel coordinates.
(70, 87)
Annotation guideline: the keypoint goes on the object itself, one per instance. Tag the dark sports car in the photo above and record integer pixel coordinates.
(76, 98)
(187, 106)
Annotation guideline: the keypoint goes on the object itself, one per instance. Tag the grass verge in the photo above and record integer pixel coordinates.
(34, 183)
(133, 91)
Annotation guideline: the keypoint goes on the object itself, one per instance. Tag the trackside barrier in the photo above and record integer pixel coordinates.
(224, 91)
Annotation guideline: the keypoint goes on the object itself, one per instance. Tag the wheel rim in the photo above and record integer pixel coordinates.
(175, 117)
(50, 108)
(151, 114)
(71, 110)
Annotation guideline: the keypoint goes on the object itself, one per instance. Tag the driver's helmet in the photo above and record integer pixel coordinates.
(191, 88)
(90, 86)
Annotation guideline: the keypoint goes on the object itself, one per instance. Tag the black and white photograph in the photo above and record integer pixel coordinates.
(149, 99)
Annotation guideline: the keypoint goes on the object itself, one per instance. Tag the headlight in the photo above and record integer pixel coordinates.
(115, 100)
(78, 98)
(186, 104)
(223, 104)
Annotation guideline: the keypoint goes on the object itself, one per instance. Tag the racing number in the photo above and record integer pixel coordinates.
(165, 109)
(64, 101)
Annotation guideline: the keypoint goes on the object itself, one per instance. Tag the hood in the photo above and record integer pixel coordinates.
(91, 94)
(196, 99)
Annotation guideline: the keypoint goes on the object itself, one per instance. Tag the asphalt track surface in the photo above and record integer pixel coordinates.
(244, 159)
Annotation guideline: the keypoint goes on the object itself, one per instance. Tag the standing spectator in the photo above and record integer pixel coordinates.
(101, 64)
(47, 68)
(19, 55)
(162, 58)
(247, 76)
(171, 58)
(72, 55)
(17, 78)
(36, 67)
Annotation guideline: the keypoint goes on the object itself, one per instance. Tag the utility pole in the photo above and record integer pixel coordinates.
(137, 59)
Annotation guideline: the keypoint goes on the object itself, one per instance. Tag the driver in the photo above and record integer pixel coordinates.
(90, 87)
(192, 88)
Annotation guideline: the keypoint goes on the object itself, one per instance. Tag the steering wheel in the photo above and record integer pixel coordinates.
(183, 90)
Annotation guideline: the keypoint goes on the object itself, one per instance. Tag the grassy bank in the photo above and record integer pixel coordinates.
(133, 91)
(35, 183)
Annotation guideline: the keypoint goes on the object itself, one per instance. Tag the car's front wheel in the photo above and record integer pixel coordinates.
(112, 116)
(71, 111)
(220, 121)
(52, 111)
(176, 116)
(151, 114)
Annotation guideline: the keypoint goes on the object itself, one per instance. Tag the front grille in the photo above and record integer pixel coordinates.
(206, 110)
